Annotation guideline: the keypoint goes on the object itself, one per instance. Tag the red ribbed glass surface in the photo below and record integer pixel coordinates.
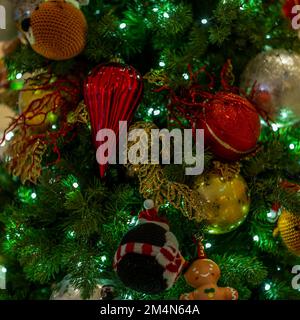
(112, 94)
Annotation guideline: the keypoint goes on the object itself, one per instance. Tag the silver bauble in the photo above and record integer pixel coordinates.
(8, 28)
(24, 8)
(66, 291)
(274, 79)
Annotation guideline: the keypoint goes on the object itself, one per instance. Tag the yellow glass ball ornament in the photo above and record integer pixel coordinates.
(46, 97)
(227, 199)
(288, 227)
(36, 114)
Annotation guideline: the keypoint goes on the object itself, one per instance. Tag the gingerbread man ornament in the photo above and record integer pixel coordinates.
(203, 275)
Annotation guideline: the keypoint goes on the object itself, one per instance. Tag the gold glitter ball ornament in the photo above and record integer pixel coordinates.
(288, 227)
(227, 199)
(56, 30)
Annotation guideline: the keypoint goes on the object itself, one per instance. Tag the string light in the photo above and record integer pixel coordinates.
(185, 76)
(256, 238)
(267, 286)
(204, 21)
(166, 15)
(132, 222)
(19, 76)
(123, 25)
(275, 127)
(3, 269)
(272, 215)
(268, 36)
(161, 64)
(208, 245)
(150, 111)
(263, 122)
(285, 113)
(33, 195)
(75, 185)
(103, 258)
(9, 136)
(71, 234)
(292, 146)
(156, 112)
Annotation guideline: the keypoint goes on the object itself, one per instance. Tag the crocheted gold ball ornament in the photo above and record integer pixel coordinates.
(57, 30)
(289, 228)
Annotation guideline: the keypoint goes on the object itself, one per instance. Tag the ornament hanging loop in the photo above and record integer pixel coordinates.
(198, 240)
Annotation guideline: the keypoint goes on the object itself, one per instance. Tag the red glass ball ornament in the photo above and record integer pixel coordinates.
(112, 94)
(231, 125)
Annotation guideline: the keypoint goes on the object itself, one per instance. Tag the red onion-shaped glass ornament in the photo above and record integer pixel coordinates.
(231, 124)
(112, 94)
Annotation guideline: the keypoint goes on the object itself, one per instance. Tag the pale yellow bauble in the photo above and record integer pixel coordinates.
(227, 199)
(37, 113)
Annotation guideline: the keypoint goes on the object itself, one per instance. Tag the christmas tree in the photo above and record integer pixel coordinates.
(73, 227)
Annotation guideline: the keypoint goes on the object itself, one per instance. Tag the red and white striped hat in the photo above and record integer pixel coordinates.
(167, 256)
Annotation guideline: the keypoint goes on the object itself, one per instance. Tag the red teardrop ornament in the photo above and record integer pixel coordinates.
(112, 94)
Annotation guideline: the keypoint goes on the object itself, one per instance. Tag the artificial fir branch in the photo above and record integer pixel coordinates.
(249, 271)
(75, 223)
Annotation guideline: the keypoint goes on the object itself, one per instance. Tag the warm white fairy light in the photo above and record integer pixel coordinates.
(292, 146)
(275, 127)
(75, 185)
(9, 136)
(256, 238)
(267, 286)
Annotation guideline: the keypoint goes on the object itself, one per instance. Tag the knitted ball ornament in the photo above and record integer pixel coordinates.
(148, 259)
(56, 30)
(289, 228)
